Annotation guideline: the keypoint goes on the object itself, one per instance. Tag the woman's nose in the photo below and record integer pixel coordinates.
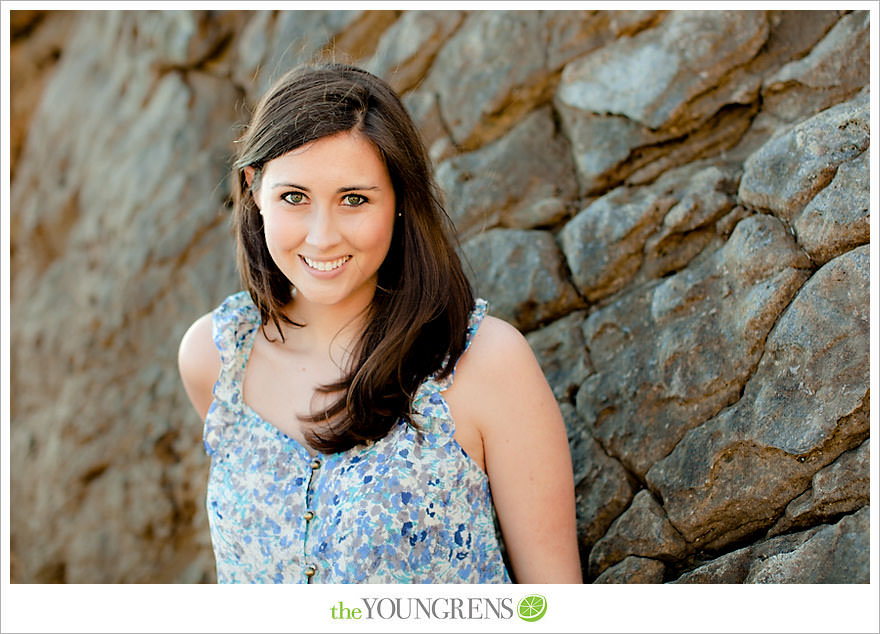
(323, 233)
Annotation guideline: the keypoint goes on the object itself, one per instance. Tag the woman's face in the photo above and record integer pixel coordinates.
(328, 213)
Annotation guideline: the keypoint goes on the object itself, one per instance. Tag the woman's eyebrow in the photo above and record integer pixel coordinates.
(341, 190)
(291, 186)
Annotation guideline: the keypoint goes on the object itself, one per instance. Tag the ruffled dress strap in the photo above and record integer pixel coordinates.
(429, 406)
(233, 326)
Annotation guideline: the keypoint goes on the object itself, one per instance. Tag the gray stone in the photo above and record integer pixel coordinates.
(642, 530)
(500, 184)
(275, 42)
(793, 34)
(609, 150)
(806, 403)
(634, 570)
(129, 245)
(580, 442)
(651, 77)
(837, 218)
(691, 224)
(425, 113)
(408, 46)
(562, 355)
(833, 554)
(521, 274)
(573, 33)
(671, 354)
(489, 74)
(734, 567)
(841, 487)
(793, 166)
(833, 71)
(604, 243)
(499, 65)
(600, 496)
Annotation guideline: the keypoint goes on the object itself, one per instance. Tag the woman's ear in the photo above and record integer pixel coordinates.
(249, 175)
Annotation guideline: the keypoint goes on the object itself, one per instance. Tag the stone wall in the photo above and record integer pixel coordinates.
(673, 206)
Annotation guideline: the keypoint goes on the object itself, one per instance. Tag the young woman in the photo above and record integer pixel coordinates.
(364, 417)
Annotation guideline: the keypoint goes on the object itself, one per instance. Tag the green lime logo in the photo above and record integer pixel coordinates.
(532, 607)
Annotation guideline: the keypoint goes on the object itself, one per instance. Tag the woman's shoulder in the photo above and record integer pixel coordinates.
(198, 361)
(496, 341)
(498, 379)
(208, 340)
(497, 352)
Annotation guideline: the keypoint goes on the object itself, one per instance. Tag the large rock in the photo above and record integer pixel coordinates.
(837, 219)
(671, 354)
(833, 71)
(125, 248)
(663, 97)
(834, 554)
(603, 493)
(656, 228)
(521, 274)
(795, 165)
(634, 570)
(523, 180)
(407, 48)
(501, 64)
(562, 355)
(842, 487)
(642, 530)
(651, 77)
(806, 403)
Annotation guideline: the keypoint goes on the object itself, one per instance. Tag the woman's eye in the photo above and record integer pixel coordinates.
(294, 198)
(354, 200)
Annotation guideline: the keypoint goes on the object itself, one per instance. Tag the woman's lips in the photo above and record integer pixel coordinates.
(325, 266)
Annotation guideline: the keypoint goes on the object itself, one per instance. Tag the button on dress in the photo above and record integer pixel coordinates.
(411, 507)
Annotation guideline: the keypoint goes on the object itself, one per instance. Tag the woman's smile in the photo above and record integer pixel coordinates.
(323, 265)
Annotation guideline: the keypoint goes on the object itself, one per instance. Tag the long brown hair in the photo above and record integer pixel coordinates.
(417, 321)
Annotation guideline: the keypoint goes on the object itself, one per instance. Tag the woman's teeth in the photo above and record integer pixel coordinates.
(326, 266)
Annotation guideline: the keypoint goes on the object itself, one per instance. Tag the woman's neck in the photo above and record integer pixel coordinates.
(335, 328)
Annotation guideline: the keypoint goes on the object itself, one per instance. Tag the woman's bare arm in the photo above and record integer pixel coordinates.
(526, 453)
(199, 363)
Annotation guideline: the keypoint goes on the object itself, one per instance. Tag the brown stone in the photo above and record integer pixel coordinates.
(642, 530)
(671, 354)
(837, 218)
(792, 167)
(601, 495)
(511, 190)
(806, 403)
(834, 70)
(634, 570)
(521, 274)
(407, 48)
(841, 487)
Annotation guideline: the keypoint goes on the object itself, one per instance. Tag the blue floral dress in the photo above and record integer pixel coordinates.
(412, 507)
